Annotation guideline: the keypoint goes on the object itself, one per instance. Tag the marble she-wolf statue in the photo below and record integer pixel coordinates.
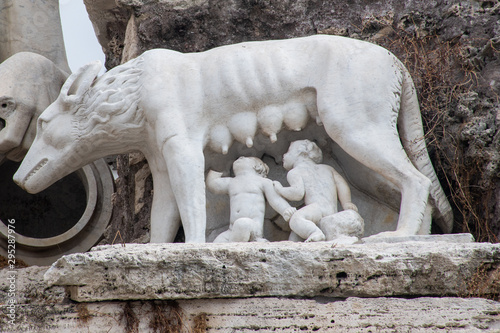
(171, 105)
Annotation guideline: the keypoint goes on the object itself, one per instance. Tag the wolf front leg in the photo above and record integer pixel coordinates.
(165, 218)
(185, 165)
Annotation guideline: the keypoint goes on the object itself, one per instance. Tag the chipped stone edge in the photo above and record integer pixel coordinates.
(360, 270)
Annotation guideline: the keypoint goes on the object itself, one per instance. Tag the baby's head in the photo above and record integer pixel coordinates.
(254, 163)
(302, 148)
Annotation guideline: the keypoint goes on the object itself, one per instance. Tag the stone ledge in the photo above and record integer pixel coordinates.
(46, 309)
(286, 269)
(449, 238)
(251, 315)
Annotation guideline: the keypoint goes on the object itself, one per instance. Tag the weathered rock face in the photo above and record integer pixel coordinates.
(188, 271)
(264, 315)
(451, 48)
(117, 275)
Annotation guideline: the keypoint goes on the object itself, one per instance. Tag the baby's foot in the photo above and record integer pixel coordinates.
(316, 236)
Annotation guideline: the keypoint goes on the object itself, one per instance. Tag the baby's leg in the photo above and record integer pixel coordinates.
(223, 237)
(295, 238)
(304, 221)
(245, 230)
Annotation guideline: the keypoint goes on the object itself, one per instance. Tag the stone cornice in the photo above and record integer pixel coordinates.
(190, 271)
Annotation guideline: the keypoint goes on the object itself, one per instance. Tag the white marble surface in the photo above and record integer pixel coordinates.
(171, 106)
(29, 84)
(248, 192)
(320, 186)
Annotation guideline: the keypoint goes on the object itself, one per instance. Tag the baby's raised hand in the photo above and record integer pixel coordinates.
(287, 214)
(277, 186)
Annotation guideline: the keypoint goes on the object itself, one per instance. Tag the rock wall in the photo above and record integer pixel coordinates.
(451, 48)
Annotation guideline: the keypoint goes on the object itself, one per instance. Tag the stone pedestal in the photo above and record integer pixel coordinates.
(417, 286)
(278, 269)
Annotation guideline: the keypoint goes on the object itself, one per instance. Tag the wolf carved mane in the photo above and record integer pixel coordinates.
(111, 106)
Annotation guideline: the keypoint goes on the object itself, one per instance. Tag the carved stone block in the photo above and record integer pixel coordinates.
(188, 271)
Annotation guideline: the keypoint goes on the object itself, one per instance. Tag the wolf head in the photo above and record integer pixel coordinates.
(56, 150)
(92, 117)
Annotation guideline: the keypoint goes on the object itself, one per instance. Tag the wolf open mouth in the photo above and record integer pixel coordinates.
(40, 165)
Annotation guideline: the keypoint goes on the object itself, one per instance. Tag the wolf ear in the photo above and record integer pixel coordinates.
(78, 83)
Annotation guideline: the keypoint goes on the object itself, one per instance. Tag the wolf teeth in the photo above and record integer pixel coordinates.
(40, 165)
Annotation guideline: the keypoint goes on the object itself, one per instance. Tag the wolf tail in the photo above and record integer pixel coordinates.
(412, 137)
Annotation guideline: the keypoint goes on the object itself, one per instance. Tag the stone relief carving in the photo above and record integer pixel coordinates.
(30, 83)
(320, 186)
(21, 102)
(171, 106)
(247, 192)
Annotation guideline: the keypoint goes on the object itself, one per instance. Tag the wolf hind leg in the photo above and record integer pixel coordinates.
(376, 145)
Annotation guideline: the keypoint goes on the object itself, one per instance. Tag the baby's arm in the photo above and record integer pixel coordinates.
(217, 184)
(276, 201)
(296, 191)
(343, 192)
